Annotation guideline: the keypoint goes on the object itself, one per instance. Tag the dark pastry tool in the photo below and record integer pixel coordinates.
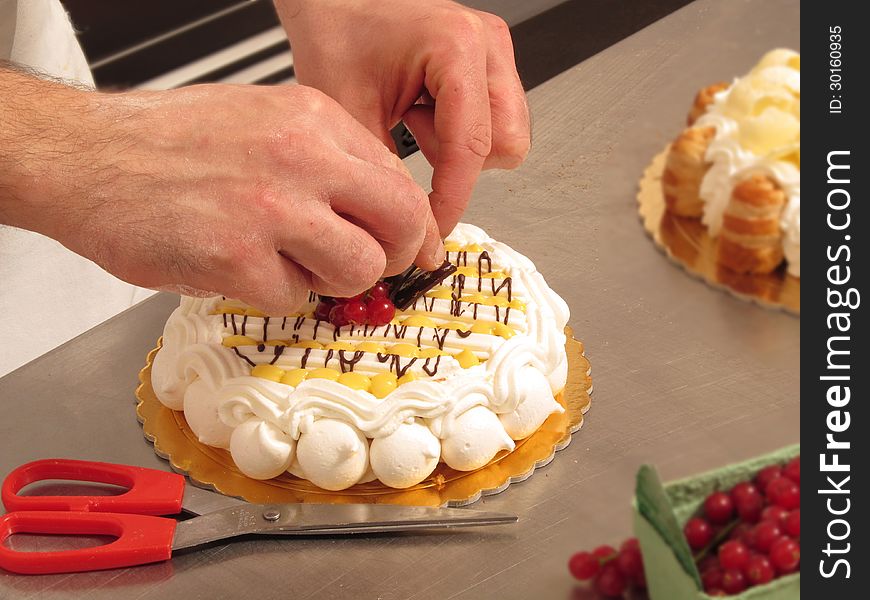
(411, 284)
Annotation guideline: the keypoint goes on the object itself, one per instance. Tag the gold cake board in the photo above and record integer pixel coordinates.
(687, 243)
(213, 467)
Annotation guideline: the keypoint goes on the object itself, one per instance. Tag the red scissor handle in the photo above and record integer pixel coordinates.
(140, 540)
(149, 492)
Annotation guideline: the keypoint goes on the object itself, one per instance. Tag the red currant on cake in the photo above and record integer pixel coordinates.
(336, 315)
(380, 290)
(355, 312)
(380, 310)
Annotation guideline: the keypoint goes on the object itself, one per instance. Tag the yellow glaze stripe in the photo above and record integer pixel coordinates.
(378, 385)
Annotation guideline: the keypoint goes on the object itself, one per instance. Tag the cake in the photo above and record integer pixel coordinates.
(467, 369)
(736, 167)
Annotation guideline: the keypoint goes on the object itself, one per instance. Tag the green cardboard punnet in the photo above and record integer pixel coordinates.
(660, 511)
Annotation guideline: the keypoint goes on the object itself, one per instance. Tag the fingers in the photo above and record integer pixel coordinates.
(511, 128)
(511, 137)
(341, 258)
(394, 210)
(462, 126)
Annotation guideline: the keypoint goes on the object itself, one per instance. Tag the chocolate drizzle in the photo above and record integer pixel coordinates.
(431, 372)
(247, 360)
(279, 350)
(233, 319)
(506, 282)
(305, 356)
(347, 364)
(265, 328)
(244, 323)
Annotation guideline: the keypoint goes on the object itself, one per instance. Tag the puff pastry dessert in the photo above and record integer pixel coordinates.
(737, 166)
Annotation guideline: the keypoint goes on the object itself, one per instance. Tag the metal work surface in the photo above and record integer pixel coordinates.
(686, 377)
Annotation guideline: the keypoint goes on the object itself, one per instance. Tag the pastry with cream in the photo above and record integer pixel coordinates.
(737, 166)
(457, 377)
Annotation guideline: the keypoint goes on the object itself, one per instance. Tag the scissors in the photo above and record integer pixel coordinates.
(142, 537)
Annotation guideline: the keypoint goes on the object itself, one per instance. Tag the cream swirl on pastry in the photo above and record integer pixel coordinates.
(473, 365)
(757, 130)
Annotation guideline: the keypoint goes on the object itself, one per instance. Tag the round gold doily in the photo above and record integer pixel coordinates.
(214, 468)
(687, 243)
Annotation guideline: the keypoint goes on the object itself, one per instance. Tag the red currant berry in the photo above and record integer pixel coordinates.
(380, 290)
(708, 562)
(639, 580)
(744, 490)
(759, 570)
(712, 578)
(733, 581)
(630, 543)
(793, 523)
(630, 561)
(381, 311)
(785, 554)
(337, 316)
(355, 312)
(766, 533)
(793, 470)
(733, 555)
(584, 566)
(718, 507)
(766, 474)
(743, 532)
(784, 492)
(749, 508)
(611, 582)
(321, 311)
(604, 553)
(774, 513)
(698, 533)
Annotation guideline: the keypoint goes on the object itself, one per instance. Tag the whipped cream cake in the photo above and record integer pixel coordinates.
(457, 377)
(737, 166)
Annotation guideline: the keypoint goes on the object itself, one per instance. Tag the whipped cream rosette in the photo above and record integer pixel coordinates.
(457, 377)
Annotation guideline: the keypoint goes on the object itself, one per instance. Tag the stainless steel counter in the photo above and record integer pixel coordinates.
(686, 377)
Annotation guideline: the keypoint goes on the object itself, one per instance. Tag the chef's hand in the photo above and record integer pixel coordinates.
(378, 58)
(252, 192)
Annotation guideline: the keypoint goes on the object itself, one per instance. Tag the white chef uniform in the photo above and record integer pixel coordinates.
(48, 294)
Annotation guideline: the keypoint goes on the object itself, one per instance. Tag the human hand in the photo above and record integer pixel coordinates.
(448, 71)
(255, 193)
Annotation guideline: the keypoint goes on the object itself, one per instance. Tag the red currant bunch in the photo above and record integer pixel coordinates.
(372, 307)
(749, 535)
(611, 571)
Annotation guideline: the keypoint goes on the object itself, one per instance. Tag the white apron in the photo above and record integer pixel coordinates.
(48, 294)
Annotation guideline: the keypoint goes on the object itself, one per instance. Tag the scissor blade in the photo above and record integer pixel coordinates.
(325, 519)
